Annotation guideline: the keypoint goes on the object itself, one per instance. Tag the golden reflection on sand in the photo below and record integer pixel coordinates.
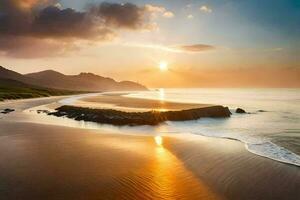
(171, 180)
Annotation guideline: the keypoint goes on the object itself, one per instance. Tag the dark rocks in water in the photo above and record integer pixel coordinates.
(261, 111)
(7, 110)
(58, 113)
(115, 117)
(43, 111)
(240, 111)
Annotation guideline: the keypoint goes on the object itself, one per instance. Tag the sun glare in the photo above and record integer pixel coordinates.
(163, 66)
(158, 140)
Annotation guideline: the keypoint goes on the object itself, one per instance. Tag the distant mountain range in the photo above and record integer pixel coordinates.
(81, 82)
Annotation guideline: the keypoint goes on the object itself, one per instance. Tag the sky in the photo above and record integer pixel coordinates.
(204, 43)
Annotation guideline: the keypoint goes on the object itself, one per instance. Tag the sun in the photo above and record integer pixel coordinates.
(163, 66)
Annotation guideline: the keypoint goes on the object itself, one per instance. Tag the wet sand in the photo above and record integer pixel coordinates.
(48, 162)
(54, 162)
(233, 172)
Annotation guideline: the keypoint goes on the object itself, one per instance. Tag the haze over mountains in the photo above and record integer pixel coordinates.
(81, 82)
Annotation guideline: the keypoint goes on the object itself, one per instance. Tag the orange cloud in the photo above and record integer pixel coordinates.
(195, 48)
(158, 10)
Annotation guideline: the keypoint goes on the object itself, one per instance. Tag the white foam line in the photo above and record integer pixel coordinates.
(266, 149)
(274, 152)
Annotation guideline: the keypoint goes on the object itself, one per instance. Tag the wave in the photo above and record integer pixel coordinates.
(262, 147)
(273, 151)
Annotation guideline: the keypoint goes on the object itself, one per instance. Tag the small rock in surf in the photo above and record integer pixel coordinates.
(7, 110)
(240, 111)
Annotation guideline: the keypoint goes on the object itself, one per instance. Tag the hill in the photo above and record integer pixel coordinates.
(14, 85)
(12, 75)
(12, 89)
(82, 82)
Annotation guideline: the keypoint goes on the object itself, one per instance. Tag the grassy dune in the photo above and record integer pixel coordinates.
(11, 89)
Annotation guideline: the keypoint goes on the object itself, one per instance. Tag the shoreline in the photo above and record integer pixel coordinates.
(286, 156)
(267, 149)
(237, 173)
(88, 163)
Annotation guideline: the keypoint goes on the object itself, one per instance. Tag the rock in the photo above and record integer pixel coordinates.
(43, 111)
(240, 111)
(116, 117)
(261, 111)
(7, 110)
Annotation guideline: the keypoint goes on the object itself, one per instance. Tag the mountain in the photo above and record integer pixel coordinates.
(81, 82)
(9, 74)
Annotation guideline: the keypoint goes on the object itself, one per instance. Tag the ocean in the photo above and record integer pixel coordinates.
(270, 129)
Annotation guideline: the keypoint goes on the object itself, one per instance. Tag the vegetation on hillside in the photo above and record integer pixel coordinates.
(11, 89)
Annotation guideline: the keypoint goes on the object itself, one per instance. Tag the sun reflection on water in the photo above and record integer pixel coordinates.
(162, 94)
(162, 100)
(158, 140)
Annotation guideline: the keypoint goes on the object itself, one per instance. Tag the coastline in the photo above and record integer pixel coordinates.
(265, 148)
(234, 172)
(262, 147)
(76, 163)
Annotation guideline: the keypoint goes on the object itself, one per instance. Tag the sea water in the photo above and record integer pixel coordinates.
(270, 129)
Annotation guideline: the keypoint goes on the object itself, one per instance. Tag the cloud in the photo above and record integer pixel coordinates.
(195, 48)
(52, 21)
(45, 20)
(190, 16)
(30, 47)
(116, 15)
(158, 11)
(154, 9)
(275, 49)
(168, 14)
(205, 9)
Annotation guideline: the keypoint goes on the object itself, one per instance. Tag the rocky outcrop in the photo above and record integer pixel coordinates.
(7, 110)
(115, 117)
(240, 111)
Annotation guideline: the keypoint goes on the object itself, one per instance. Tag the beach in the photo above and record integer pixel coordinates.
(43, 161)
(149, 100)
